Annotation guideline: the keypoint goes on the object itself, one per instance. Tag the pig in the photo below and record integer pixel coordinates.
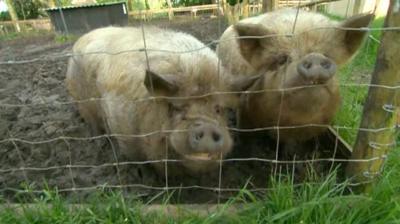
(299, 85)
(160, 95)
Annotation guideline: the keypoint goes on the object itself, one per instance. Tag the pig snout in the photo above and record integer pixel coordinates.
(206, 137)
(315, 68)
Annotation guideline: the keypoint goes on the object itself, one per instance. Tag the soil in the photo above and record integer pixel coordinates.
(30, 111)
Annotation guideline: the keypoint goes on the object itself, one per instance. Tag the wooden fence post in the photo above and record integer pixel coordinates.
(269, 5)
(245, 8)
(170, 10)
(377, 130)
(13, 15)
(130, 7)
(356, 7)
(231, 12)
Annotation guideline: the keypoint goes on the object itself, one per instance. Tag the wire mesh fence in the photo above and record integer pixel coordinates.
(46, 143)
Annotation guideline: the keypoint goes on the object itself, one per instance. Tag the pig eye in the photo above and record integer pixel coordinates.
(328, 56)
(173, 109)
(283, 59)
(218, 109)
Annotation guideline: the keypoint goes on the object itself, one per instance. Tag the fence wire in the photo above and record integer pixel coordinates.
(222, 161)
(206, 46)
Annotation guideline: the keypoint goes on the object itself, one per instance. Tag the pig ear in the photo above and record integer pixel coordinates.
(246, 83)
(160, 84)
(250, 47)
(354, 38)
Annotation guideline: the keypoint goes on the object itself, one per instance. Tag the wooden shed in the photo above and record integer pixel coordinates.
(83, 18)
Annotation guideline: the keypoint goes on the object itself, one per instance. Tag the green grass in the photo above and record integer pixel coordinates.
(319, 200)
(358, 71)
(61, 38)
(58, 38)
(18, 35)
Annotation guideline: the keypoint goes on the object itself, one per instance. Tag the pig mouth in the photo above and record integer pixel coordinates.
(202, 156)
(314, 82)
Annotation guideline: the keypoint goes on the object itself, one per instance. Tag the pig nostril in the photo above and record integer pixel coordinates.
(326, 64)
(198, 136)
(216, 136)
(307, 64)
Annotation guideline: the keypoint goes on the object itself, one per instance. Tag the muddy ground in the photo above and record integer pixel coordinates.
(31, 113)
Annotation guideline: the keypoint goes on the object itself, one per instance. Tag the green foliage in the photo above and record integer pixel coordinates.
(63, 2)
(107, 1)
(177, 3)
(4, 16)
(358, 71)
(28, 9)
(234, 2)
(147, 4)
(138, 5)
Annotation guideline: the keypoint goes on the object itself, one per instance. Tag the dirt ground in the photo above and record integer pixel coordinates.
(29, 93)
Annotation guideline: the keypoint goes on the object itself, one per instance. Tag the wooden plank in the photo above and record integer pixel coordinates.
(180, 9)
(344, 148)
(28, 21)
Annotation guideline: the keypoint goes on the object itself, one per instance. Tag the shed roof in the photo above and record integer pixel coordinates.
(84, 6)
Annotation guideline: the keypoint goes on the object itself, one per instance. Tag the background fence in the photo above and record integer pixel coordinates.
(244, 9)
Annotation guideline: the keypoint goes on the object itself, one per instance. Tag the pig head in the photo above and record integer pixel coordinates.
(298, 55)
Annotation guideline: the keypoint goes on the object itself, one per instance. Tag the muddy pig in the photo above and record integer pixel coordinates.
(304, 64)
(162, 97)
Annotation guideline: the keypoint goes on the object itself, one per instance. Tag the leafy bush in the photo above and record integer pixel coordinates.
(28, 9)
(176, 3)
(4, 16)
